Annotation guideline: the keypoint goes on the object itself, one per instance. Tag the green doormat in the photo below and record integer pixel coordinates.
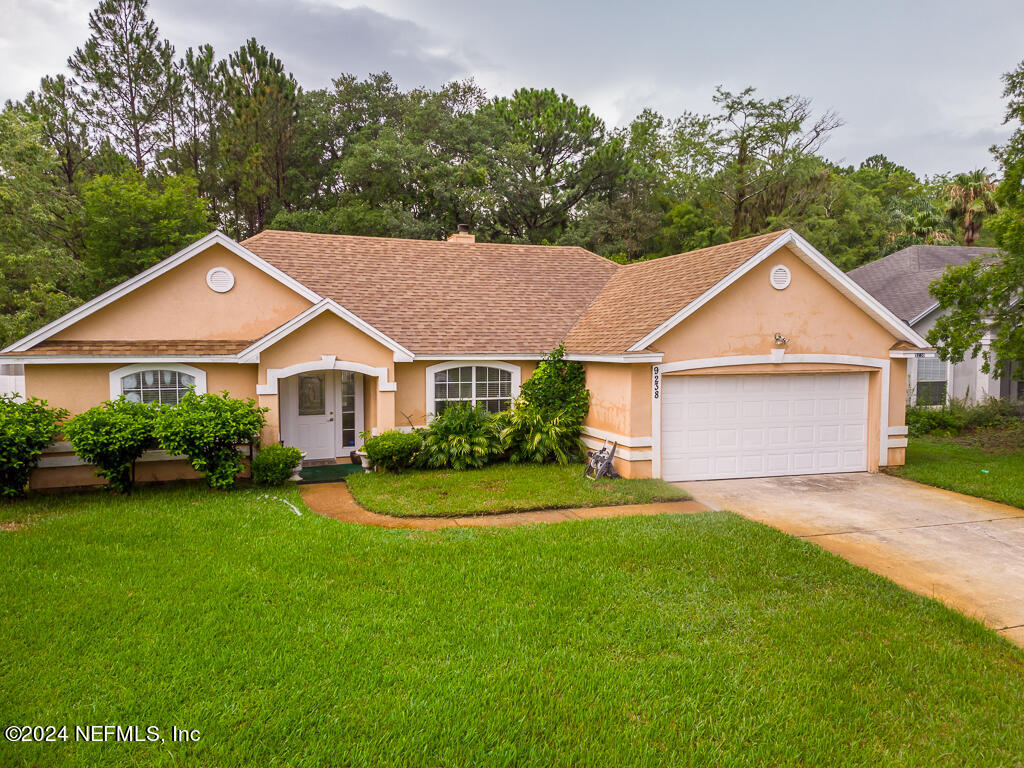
(327, 473)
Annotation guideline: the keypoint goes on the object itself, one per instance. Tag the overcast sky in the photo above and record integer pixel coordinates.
(915, 80)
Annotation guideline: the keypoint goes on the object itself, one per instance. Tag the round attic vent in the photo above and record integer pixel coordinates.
(779, 277)
(220, 279)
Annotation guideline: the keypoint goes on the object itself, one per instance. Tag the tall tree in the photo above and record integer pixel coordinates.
(63, 125)
(983, 300)
(970, 197)
(261, 102)
(553, 155)
(127, 74)
(760, 153)
(198, 117)
(38, 277)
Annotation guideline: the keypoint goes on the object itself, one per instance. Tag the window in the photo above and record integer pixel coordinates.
(931, 381)
(491, 386)
(347, 409)
(156, 386)
(156, 383)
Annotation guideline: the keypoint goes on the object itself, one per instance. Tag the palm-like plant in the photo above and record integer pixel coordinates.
(970, 197)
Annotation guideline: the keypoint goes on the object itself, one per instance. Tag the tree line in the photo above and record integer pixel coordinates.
(136, 151)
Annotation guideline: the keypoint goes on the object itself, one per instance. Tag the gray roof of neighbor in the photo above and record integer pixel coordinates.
(900, 280)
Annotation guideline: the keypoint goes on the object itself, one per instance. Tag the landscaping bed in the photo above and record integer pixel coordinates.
(286, 639)
(987, 463)
(500, 488)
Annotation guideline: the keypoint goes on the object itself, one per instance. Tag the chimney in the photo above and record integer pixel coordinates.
(462, 236)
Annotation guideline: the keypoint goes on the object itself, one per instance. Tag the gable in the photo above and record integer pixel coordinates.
(179, 304)
(743, 319)
(326, 334)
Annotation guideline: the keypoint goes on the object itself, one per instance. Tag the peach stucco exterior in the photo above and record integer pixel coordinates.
(740, 322)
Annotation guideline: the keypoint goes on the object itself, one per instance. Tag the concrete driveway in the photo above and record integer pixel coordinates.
(967, 552)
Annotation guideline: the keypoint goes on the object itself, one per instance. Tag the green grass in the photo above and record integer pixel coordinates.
(676, 640)
(500, 488)
(988, 463)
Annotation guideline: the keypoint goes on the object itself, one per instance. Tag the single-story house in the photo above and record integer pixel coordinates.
(753, 358)
(900, 282)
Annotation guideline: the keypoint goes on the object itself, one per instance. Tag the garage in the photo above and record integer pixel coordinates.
(758, 425)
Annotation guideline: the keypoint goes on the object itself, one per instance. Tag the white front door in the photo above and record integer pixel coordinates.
(322, 413)
(314, 417)
(717, 427)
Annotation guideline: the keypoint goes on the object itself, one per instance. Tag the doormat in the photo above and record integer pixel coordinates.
(327, 473)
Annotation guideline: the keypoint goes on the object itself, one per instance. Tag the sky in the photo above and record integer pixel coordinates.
(916, 80)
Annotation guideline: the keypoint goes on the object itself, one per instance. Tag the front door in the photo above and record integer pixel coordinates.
(322, 413)
(314, 420)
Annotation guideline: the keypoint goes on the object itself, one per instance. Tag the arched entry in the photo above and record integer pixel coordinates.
(322, 412)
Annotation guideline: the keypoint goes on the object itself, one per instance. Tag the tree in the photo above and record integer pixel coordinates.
(982, 299)
(552, 156)
(261, 100)
(130, 223)
(970, 198)
(38, 277)
(63, 127)
(127, 74)
(760, 153)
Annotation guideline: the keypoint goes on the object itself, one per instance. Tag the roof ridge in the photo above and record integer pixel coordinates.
(422, 240)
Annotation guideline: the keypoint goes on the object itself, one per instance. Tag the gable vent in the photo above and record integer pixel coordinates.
(779, 277)
(220, 279)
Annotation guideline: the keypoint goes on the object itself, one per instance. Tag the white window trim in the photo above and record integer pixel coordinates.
(430, 403)
(119, 373)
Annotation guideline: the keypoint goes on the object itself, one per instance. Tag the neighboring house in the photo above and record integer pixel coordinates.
(753, 358)
(900, 281)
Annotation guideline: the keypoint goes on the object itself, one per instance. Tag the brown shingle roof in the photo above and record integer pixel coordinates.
(642, 296)
(450, 298)
(137, 348)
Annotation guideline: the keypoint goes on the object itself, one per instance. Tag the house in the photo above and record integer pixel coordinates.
(900, 282)
(753, 358)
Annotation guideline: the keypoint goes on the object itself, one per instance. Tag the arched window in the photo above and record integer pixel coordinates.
(156, 383)
(491, 385)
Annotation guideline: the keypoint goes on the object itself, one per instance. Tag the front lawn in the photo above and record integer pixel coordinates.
(500, 488)
(988, 463)
(286, 639)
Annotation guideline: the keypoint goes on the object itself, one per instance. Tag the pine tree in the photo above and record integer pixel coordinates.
(126, 72)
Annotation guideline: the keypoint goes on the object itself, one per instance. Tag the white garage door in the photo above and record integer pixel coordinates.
(715, 427)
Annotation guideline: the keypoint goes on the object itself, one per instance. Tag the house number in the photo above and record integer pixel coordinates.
(657, 382)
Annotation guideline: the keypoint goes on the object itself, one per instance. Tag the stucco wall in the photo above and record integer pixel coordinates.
(80, 387)
(411, 406)
(179, 305)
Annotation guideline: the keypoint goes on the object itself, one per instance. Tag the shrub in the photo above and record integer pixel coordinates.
(956, 416)
(393, 451)
(25, 430)
(206, 428)
(275, 464)
(529, 435)
(459, 437)
(558, 386)
(112, 436)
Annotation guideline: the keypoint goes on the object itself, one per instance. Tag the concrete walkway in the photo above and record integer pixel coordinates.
(334, 500)
(967, 552)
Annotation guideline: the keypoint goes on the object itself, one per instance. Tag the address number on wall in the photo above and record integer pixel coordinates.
(657, 382)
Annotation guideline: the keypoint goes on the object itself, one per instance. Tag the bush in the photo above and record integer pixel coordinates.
(275, 464)
(112, 436)
(394, 451)
(558, 387)
(956, 416)
(25, 430)
(459, 437)
(206, 428)
(529, 435)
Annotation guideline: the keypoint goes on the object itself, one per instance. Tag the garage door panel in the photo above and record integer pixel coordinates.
(760, 425)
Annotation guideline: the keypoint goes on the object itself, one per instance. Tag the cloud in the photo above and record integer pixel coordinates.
(316, 42)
